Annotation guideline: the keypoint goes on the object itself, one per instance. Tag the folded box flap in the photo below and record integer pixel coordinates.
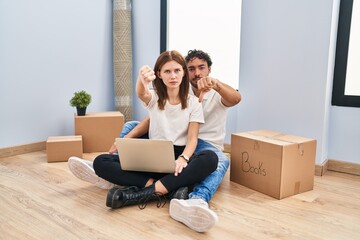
(275, 137)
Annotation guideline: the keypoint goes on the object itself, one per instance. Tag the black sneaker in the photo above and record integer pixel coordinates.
(120, 197)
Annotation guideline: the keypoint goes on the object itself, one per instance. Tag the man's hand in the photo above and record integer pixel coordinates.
(205, 84)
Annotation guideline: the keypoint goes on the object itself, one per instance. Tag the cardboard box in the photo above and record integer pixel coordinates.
(60, 148)
(99, 130)
(273, 163)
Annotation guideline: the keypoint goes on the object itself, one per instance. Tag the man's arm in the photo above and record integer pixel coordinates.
(229, 96)
(140, 129)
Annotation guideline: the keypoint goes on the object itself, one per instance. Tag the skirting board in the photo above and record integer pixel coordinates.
(22, 149)
(321, 169)
(328, 165)
(344, 167)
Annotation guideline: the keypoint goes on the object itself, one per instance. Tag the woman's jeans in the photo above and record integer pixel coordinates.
(206, 189)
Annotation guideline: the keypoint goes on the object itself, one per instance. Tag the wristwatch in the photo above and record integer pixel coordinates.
(185, 157)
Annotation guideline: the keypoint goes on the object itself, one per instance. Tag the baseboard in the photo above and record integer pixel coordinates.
(227, 147)
(321, 169)
(344, 167)
(22, 149)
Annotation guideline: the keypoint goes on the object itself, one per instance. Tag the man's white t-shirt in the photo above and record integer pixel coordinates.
(215, 115)
(172, 123)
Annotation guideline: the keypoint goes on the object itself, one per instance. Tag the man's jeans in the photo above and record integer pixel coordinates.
(205, 189)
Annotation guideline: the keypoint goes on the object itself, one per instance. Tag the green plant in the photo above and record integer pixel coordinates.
(81, 99)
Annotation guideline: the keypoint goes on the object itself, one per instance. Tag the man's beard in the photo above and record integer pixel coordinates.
(194, 84)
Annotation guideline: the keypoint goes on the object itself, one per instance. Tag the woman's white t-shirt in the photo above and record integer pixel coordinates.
(172, 123)
(215, 114)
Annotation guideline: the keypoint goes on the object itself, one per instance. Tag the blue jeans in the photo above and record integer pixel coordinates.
(206, 189)
(128, 126)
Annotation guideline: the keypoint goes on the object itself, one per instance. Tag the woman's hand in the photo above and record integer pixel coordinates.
(113, 149)
(180, 164)
(146, 75)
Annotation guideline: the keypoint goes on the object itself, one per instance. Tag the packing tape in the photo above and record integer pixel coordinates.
(297, 188)
(256, 145)
(277, 137)
(301, 149)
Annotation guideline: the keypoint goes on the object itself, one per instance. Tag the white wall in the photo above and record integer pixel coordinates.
(49, 50)
(284, 68)
(344, 138)
(146, 38)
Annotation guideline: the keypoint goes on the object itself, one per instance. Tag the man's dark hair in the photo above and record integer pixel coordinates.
(198, 54)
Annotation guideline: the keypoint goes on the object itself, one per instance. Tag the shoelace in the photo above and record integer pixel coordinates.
(160, 198)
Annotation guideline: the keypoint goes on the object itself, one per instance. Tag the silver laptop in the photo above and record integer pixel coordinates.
(146, 155)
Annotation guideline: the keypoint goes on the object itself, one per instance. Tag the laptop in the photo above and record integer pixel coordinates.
(146, 155)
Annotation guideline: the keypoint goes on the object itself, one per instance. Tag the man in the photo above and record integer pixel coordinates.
(216, 97)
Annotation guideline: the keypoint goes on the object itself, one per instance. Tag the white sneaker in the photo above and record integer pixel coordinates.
(194, 213)
(83, 169)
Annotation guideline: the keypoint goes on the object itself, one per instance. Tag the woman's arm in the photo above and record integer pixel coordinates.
(192, 138)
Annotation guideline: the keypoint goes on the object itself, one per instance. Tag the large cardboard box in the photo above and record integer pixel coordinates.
(99, 130)
(273, 163)
(60, 148)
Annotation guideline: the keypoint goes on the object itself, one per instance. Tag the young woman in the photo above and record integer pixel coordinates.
(174, 115)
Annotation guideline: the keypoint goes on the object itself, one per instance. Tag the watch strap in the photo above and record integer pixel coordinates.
(185, 157)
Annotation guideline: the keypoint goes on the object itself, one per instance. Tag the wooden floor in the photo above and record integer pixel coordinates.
(40, 200)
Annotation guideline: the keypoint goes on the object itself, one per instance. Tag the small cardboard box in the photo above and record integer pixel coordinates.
(60, 148)
(273, 163)
(99, 130)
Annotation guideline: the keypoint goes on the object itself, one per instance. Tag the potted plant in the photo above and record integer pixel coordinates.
(80, 100)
